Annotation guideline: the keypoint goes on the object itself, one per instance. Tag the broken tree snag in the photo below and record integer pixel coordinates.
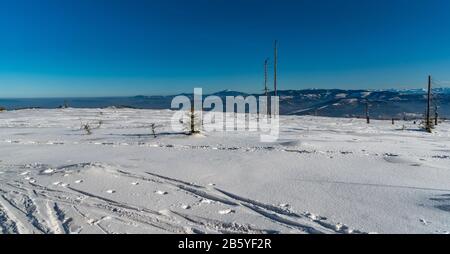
(436, 116)
(367, 113)
(153, 126)
(428, 126)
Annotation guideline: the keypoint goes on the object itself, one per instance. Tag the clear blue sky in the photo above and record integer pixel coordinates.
(51, 48)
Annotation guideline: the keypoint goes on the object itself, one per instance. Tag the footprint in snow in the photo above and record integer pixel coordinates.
(49, 171)
(161, 192)
(424, 222)
(227, 211)
(61, 184)
(185, 207)
(206, 201)
(314, 217)
(30, 179)
(111, 191)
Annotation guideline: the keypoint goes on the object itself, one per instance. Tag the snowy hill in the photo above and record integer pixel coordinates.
(324, 175)
(351, 103)
(385, 104)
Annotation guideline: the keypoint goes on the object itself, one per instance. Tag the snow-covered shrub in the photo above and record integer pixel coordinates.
(192, 122)
(87, 127)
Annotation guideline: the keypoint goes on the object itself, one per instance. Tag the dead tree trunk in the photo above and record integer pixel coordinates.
(367, 113)
(428, 121)
(436, 116)
(192, 120)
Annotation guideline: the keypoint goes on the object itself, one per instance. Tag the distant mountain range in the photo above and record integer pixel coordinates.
(384, 104)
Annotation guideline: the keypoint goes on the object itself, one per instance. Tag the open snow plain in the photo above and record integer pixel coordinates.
(324, 175)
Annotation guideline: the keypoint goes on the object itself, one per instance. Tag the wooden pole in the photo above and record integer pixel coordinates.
(266, 89)
(275, 68)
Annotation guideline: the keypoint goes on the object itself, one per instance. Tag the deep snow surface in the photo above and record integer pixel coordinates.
(324, 175)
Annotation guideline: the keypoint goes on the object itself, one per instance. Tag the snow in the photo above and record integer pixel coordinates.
(324, 175)
(350, 101)
(341, 95)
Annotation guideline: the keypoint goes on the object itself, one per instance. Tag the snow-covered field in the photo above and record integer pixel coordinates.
(325, 175)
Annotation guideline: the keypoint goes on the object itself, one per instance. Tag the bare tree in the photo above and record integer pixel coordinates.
(88, 128)
(367, 112)
(153, 127)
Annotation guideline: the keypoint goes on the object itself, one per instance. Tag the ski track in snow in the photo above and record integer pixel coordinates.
(19, 212)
